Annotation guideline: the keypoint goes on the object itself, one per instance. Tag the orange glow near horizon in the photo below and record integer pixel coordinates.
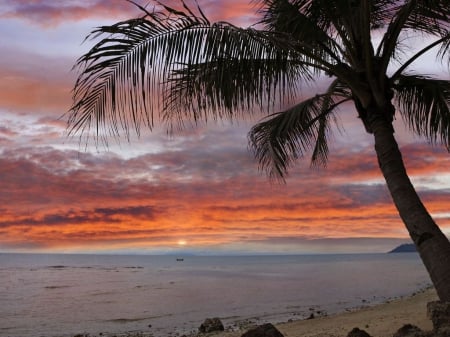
(266, 213)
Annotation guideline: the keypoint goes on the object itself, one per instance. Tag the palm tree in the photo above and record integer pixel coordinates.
(174, 66)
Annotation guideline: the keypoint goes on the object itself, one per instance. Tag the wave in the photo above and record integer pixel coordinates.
(137, 319)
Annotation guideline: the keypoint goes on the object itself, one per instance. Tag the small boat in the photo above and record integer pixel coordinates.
(179, 259)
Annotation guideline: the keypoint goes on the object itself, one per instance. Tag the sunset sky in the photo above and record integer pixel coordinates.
(198, 191)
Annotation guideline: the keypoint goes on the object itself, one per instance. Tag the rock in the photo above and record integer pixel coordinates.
(409, 330)
(265, 330)
(356, 332)
(439, 313)
(210, 325)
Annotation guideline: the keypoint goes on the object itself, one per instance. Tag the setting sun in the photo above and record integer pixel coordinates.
(182, 242)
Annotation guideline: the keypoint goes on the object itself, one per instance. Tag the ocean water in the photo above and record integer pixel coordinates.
(65, 295)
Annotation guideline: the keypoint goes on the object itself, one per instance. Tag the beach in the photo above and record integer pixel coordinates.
(381, 320)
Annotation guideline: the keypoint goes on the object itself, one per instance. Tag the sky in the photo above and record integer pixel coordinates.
(199, 191)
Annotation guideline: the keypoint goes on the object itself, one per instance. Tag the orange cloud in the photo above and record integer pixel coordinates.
(85, 204)
(203, 188)
(18, 92)
(235, 11)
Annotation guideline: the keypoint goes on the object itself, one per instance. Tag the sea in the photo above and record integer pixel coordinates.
(67, 295)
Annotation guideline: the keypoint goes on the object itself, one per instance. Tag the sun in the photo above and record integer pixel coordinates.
(182, 242)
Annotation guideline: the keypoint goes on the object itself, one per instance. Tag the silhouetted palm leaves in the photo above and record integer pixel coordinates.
(175, 66)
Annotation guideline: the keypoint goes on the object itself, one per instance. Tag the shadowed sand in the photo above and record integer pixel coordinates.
(381, 320)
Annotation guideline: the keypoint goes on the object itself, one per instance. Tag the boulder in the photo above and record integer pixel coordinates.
(356, 332)
(210, 325)
(409, 330)
(265, 330)
(439, 313)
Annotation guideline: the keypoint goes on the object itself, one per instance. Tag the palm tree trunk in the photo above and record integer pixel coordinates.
(432, 245)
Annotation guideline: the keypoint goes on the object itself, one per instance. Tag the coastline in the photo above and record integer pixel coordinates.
(380, 320)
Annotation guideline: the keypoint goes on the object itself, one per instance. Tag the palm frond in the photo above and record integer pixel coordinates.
(285, 136)
(431, 17)
(339, 29)
(230, 85)
(292, 18)
(424, 104)
(444, 51)
(126, 78)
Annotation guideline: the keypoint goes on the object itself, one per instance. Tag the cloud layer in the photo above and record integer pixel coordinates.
(199, 191)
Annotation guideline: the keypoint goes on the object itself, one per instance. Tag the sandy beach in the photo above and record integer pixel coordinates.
(381, 320)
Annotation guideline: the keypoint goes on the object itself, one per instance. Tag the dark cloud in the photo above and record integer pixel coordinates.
(7, 132)
(97, 215)
(50, 13)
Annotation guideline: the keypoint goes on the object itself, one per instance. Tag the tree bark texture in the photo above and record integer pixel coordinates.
(432, 245)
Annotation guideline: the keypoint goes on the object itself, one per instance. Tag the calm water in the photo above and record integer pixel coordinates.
(63, 295)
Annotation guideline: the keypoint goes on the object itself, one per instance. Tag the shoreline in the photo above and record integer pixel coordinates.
(378, 320)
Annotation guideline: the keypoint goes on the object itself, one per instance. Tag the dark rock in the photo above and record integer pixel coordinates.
(265, 330)
(409, 330)
(356, 332)
(210, 325)
(439, 313)
(311, 316)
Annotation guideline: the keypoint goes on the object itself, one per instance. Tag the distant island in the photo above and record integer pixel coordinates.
(404, 248)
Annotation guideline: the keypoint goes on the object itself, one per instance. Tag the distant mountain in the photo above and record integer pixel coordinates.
(405, 248)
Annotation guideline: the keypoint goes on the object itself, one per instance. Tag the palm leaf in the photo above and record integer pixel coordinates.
(127, 78)
(424, 104)
(290, 18)
(444, 51)
(230, 85)
(285, 136)
(339, 30)
(429, 17)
